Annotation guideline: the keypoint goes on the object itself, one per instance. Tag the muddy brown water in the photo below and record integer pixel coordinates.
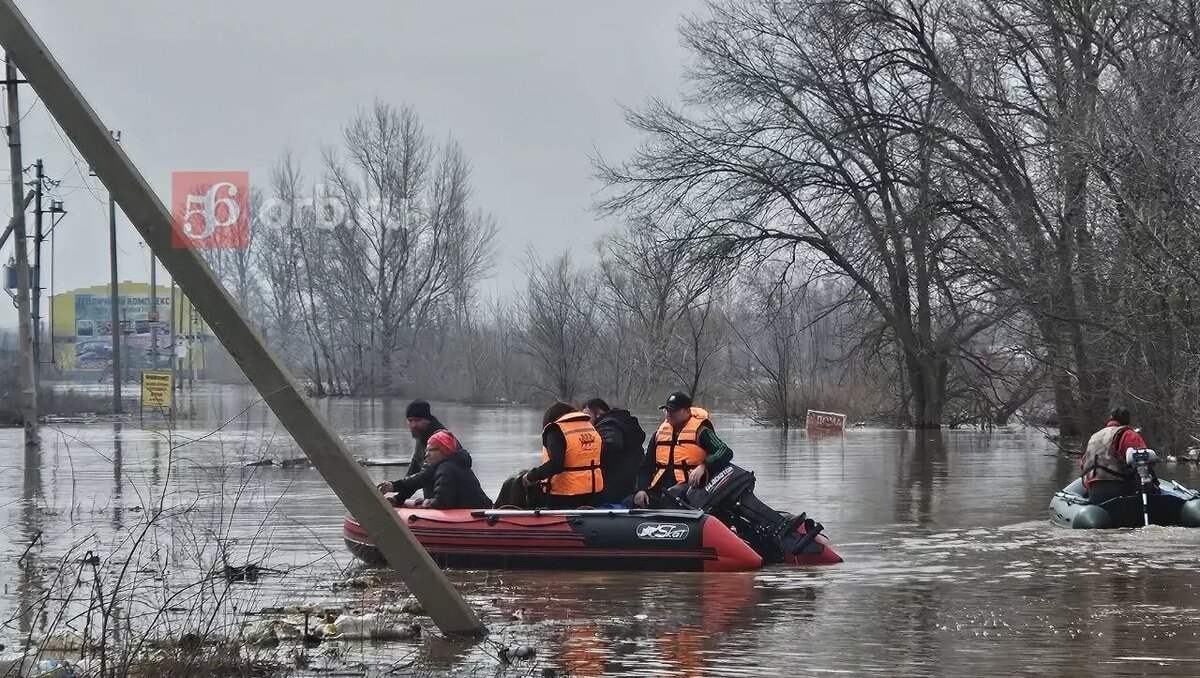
(951, 566)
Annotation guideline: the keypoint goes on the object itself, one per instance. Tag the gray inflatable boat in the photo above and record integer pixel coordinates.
(1172, 504)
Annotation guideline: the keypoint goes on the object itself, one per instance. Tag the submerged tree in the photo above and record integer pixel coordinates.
(804, 132)
(410, 242)
(659, 295)
(559, 329)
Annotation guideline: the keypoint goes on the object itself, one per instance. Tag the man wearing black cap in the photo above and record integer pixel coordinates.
(421, 424)
(686, 449)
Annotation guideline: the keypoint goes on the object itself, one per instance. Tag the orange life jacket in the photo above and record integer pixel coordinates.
(581, 467)
(680, 452)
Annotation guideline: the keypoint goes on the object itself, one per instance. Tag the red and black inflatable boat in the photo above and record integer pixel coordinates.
(598, 539)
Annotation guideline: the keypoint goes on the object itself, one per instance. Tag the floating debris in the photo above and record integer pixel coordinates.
(512, 653)
(383, 462)
(247, 573)
(262, 634)
(311, 625)
(372, 626)
(363, 582)
(294, 462)
(62, 641)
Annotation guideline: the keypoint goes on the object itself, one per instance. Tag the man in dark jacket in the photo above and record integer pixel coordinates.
(621, 439)
(446, 480)
(421, 424)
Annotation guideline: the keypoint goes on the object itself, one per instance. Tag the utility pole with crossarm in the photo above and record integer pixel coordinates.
(154, 221)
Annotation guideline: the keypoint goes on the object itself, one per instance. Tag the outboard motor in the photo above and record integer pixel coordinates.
(732, 483)
(1142, 462)
(729, 495)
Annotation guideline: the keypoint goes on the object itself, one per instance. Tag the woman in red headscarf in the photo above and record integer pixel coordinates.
(446, 479)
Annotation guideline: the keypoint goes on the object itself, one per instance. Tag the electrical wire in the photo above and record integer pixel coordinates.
(33, 104)
(75, 157)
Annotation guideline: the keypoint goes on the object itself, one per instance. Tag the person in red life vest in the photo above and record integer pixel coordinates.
(570, 474)
(446, 478)
(686, 449)
(1106, 475)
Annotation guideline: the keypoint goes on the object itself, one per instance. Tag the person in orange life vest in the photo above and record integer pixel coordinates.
(1106, 474)
(570, 475)
(686, 449)
(446, 478)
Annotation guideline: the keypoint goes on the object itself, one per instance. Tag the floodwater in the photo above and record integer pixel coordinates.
(952, 568)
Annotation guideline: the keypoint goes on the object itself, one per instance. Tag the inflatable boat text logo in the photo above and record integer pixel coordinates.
(662, 531)
(718, 479)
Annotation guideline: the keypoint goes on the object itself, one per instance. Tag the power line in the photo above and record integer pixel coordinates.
(32, 105)
(75, 157)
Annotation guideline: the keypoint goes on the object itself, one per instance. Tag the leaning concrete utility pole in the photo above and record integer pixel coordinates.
(152, 219)
(26, 369)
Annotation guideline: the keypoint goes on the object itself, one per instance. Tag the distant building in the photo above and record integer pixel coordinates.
(81, 329)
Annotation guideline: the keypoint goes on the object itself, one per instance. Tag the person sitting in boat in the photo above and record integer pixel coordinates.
(1106, 474)
(686, 449)
(570, 475)
(689, 466)
(446, 479)
(621, 439)
(421, 425)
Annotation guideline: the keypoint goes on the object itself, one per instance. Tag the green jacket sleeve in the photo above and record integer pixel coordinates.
(718, 452)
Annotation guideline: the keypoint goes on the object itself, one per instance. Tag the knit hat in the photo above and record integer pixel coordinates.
(418, 409)
(444, 441)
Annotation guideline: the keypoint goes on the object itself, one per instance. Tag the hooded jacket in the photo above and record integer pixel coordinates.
(417, 464)
(621, 453)
(449, 485)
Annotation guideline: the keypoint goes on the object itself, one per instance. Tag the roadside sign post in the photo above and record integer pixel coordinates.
(156, 391)
(825, 422)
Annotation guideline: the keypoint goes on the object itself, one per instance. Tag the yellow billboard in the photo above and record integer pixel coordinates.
(81, 327)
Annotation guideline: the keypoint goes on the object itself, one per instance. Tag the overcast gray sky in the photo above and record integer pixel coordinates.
(530, 88)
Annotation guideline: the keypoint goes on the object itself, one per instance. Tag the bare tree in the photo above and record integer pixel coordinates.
(809, 134)
(559, 329)
(410, 243)
(702, 337)
(275, 259)
(658, 294)
(785, 329)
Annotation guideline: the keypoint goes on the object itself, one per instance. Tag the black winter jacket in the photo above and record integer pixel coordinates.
(451, 484)
(620, 454)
